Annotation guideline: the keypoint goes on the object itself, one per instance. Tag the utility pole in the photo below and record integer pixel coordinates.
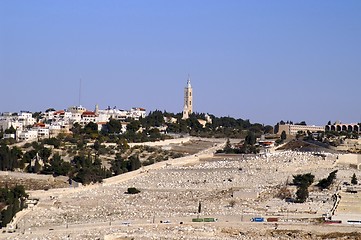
(199, 208)
(79, 92)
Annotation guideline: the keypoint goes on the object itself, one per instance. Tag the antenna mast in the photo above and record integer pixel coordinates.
(79, 92)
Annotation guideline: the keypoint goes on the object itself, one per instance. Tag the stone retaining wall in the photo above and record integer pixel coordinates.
(161, 143)
(27, 175)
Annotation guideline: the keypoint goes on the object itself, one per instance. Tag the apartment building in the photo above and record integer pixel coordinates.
(292, 129)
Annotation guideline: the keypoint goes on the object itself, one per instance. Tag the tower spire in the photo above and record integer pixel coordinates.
(188, 99)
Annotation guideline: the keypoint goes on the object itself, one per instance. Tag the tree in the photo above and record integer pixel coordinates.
(228, 147)
(134, 163)
(283, 135)
(52, 141)
(10, 158)
(303, 179)
(354, 179)
(10, 130)
(112, 127)
(268, 129)
(303, 123)
(118, 166)
(250, 138)
(193, 124)
(14, 200)
(44, 153)
(154, 134)
(90, 128)
(37, 167)
(154, 119)
(36, 115)
(133, 126)
(57, 166)
(6, 215)
(76, 129)
(50, 110)
(96, 145)
(301, 194)
(29, 155)
(326, 182)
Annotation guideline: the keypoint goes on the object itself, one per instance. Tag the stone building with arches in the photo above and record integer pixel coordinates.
(343, 127)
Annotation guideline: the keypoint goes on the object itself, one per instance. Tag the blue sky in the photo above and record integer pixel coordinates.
(260, 60)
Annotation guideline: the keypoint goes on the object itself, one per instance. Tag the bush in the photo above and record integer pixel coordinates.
(133, 190)
(302, 181)
(301, 194)
(326, 182)
(354, 179)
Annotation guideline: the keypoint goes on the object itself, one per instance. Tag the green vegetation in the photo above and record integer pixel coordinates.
(10, 159)
(80, 154)
(57, 167)
(119, 165)
(354, 179)
(247, 147)
(302, 181)
(11, 201)
(10, 130)
(88, 169)
(283, 135)
(326, 182)
(133, 190)
(218, 127)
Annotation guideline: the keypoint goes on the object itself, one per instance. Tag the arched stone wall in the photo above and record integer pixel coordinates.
(343, 127)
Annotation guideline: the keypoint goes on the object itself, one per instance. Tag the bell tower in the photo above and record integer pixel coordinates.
(188, 99)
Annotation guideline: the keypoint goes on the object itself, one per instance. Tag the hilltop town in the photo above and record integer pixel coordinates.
(129, 174)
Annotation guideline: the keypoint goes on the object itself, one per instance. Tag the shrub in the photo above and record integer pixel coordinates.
(326, 182)
(303, 179)
(354, 179)
(301, 194)
(133, 190)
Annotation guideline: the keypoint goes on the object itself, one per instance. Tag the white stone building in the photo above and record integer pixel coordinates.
(17, 121)
(292, 129)
(27, 135)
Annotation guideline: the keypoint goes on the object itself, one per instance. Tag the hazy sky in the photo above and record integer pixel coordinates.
(258, 60)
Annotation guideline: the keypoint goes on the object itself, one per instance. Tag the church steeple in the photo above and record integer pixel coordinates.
(188, 99)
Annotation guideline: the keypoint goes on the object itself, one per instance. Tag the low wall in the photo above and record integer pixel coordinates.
(349, 159)
(207, 153)
(161, 143)
(26, 175)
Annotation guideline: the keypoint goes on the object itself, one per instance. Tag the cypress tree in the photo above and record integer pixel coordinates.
(354, 179)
